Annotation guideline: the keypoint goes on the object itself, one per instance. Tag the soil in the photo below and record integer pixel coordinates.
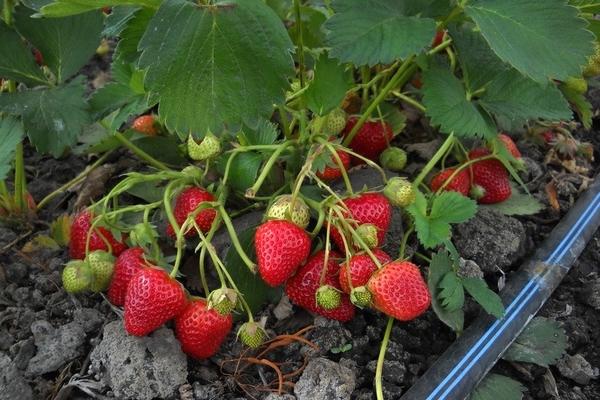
(59, 346)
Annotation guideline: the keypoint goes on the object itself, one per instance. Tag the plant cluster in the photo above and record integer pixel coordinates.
(251, 106)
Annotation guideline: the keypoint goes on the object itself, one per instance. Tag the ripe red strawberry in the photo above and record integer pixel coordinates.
(439, 38)
(399, 290)
(366, 208)
(145, 124)
(302, 287)
(82, 224)
(370, 140)
(152, 299)
(186, 203)
(510, 145)
(281, 247)
(489, 178)
(359, 269)
(201, 331)
(129, 263)
(461, 182)
(334, 171)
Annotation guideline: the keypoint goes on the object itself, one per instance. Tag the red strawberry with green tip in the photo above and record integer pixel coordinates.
(186, 203)
(303, 286)
(359, 268)
(129, 263)
(371, 139)
(281, 246)
(333, 171)
(366, 208)
(100, 238)
(152, 299)
(490, 182)
(201, 331)
(398, 290)
(461, 182)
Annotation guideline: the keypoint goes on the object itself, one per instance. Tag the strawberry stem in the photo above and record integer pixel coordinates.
(234, 239)
(381, 359)
(435, 159)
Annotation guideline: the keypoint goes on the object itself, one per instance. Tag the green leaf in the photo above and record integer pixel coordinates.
(580, 104)
(265, 134)
(164, 149)
(244, 169)
(540, 38)
(542, 342)
(586, 6)
(11, 134)
(452, 207)
(378, 31)
(329, 86)
(235, 73)
(16, 60)
(148, 191)
(441, 264)
(66, 44)
(434, 228)
(313, 33)
(253, 288)
(62, 8)
(135, 27)
(482, 294)
(117, 95)
(452, 294)
(517, 204)
(52, 118)
(494, 387)
(447, 105)
(516, 97)
(480, 65)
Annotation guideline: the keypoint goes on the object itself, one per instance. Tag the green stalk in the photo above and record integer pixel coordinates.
(20, 182)
(140, 153)
(381, 359)
(72, 182)
(251, 192)
(434, 160)
(7, 11)
(300, 44)
(405, 70)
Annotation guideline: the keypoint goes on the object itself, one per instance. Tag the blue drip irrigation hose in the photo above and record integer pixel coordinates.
(466, 362)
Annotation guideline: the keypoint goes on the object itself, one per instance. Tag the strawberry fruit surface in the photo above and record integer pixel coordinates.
(100, 239)
(129, 263)
(399, 291)
(200, 330)
(186, 203)
(281, 247)
(370, 140)
(489, 178)
(152, 299)
(302, 287)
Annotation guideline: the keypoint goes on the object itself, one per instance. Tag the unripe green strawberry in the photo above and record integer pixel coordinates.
(76, 276)
(361, 297)
(336, 122)
(223, 300)
(577, 85)
(328, 297)
(593, 68)
(393, 159)
(102, 265)
(298, 214)
(209, 147)
(400, 192)
(369, 234)
(252, 334)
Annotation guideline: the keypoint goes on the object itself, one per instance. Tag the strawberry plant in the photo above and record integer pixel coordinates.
(265, 107)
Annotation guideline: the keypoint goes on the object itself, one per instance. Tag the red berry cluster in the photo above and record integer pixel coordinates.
(486, 180)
